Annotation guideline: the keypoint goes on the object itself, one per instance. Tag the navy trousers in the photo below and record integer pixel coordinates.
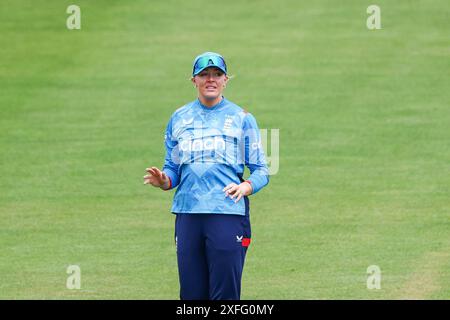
(211, 251)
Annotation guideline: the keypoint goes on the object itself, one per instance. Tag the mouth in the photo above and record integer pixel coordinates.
(211, 88)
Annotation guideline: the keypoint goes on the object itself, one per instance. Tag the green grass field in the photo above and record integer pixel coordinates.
(364, 124)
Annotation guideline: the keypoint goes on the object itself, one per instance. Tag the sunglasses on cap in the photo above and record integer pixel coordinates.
(207, 61)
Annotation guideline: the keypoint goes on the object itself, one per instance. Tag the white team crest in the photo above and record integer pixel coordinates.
(239, 239)
(228, 122)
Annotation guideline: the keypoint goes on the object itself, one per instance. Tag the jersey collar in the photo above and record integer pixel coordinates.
(214, 107)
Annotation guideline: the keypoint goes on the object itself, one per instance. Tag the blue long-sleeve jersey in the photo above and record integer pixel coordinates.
(206, 149)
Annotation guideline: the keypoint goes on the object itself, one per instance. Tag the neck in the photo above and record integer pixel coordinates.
(210, 102)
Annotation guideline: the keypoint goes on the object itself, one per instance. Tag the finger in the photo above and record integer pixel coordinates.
(156, 170)
(160, 178)
(232, 190)
(152, 181)
(153, 171)
(238, 198)
(228, 186)
(156, 173)
(236, 193)
(148, 179)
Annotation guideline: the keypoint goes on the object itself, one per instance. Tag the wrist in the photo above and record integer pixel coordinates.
(250, 184)
(167, 185)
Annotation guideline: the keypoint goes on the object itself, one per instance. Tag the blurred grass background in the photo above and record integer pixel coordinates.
(364, 144)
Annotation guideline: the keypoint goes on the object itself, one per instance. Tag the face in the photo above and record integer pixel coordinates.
(210, 83)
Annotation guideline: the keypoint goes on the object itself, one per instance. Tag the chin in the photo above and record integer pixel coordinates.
(211, 96)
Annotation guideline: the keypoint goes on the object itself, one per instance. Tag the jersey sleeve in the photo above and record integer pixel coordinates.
(171, 163)
(255, 159)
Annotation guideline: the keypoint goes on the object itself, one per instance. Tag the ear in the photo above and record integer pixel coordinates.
(225, 80)
(193, 81)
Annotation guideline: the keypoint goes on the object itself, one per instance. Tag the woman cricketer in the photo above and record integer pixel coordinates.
(208, 142)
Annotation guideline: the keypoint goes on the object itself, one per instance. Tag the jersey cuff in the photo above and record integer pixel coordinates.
(170, 184)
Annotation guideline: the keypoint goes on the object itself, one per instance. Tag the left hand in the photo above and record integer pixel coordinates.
(238, 190)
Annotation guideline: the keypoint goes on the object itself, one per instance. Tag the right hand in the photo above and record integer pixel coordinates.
(156, 178)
